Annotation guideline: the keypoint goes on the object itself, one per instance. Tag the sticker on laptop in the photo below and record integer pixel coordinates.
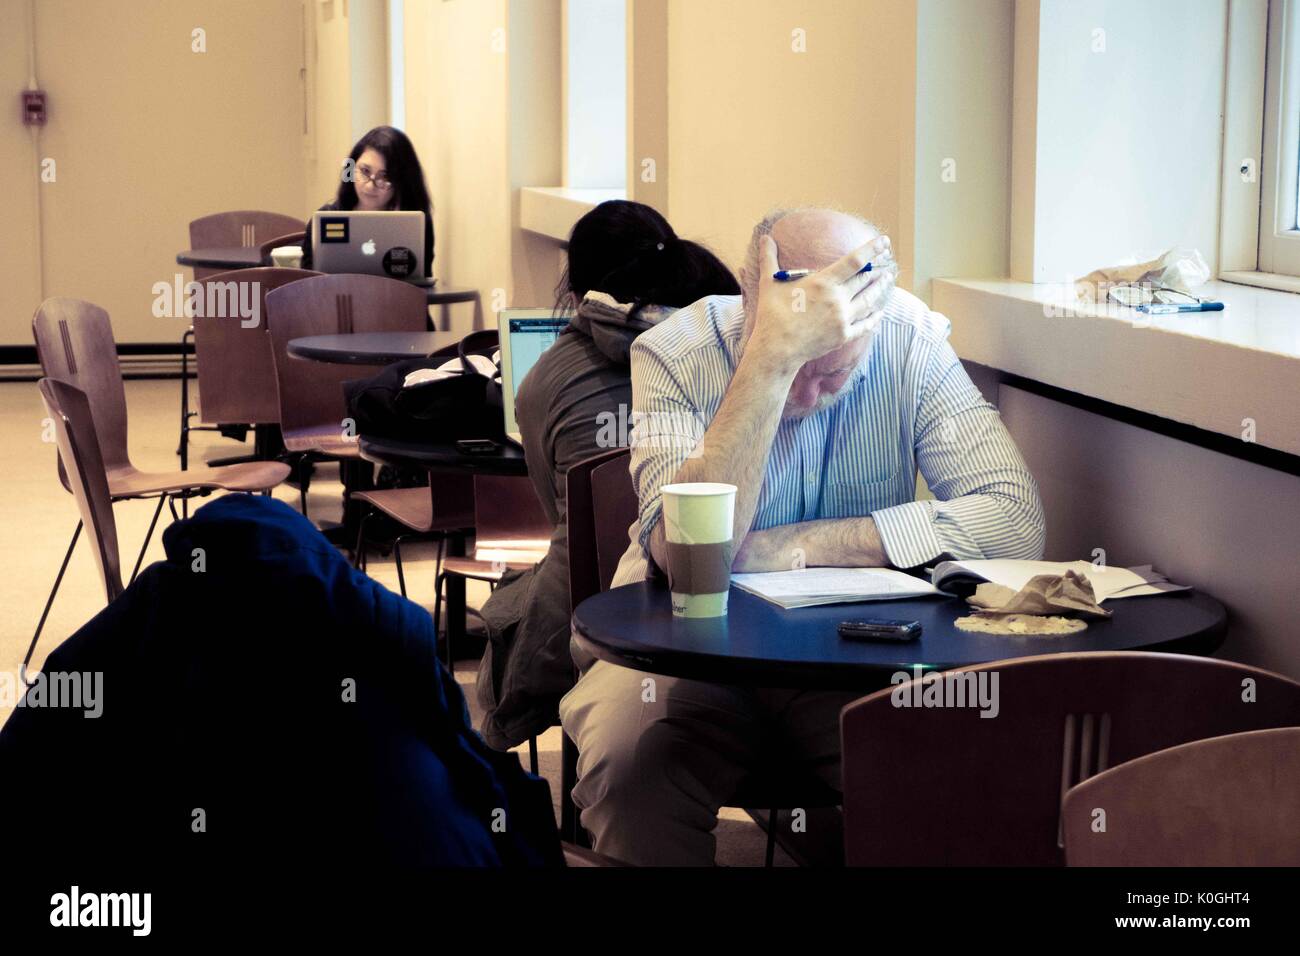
(334, 228)
(399, 262)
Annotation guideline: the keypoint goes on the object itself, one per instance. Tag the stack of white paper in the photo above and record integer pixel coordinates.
(810, 586)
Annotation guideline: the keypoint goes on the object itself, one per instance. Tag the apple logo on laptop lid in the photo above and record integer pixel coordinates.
(368, 247)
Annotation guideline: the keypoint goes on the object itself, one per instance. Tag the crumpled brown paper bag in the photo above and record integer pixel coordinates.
(1042, 594)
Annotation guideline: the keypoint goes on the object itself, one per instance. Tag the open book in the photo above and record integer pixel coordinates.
(1107, 582)
(806, 587)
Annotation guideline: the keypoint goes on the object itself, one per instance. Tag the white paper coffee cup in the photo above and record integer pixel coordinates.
(699, 519)
(287, 257)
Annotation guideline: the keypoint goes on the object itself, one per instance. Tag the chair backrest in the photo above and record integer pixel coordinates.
(233, 354)
(601, 503)
(944, 785)
(1225, 801)
(246, 228)
(75, 431)
(508, 518)
(483, 342)
(310, 394)
(288, 239)
(74, 341)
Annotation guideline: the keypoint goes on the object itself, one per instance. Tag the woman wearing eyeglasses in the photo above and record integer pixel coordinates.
(382, 173)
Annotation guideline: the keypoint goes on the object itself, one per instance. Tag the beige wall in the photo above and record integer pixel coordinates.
(20, 293)
(482, 108)
(330, 77)
(146, 135)
(456, 114)
(753, 124)
(1223, 525)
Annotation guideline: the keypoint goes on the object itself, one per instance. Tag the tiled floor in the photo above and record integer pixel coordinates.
(37, 518)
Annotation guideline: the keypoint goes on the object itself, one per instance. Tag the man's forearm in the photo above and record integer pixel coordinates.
(827, 542)
(736, 445)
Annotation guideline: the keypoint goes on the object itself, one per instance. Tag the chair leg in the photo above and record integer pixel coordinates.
(359, 553)
(532, 755)
(397, 556)
(148, 536)
(437, 617)
(771, 837)
(31, 648)
(183, 448)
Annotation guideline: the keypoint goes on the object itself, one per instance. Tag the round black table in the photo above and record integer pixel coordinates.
(226, 257)
(370, 348)
(508, 459)
(759, 644)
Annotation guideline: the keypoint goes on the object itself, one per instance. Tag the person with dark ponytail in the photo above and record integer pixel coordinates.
(382, 173)
(627, 271)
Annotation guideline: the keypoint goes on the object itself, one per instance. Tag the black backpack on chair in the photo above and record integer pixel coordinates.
(459, 406)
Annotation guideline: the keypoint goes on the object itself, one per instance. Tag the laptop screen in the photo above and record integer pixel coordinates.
(525, 335)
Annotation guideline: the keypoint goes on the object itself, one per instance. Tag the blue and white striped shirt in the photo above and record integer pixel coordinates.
(909, 404)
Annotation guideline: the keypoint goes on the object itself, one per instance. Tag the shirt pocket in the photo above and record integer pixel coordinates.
(857, 496)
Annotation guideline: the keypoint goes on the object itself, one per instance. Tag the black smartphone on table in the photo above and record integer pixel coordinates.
(889, 631)
(476, 446)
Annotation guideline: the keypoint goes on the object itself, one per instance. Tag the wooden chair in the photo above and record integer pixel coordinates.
(236, 372)
(602, 503)
(311, 407)
(74, 341)
(943, 786)
(245, 228)
(74, 429)
(511, 532)
(1224, 801)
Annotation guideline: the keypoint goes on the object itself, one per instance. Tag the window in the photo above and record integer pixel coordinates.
(1279, 210)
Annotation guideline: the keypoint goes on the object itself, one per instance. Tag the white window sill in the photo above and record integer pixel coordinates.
(1212, 370)
(551, 211)
(1264, 280)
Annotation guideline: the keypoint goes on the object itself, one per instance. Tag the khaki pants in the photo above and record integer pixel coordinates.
(659, 755)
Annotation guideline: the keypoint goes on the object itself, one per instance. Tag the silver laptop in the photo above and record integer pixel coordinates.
(371, 243)
(524, 335)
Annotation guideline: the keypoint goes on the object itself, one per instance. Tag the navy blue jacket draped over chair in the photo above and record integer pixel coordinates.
(264, 703)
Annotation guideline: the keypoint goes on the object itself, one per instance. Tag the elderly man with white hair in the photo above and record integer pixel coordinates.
(819, 399)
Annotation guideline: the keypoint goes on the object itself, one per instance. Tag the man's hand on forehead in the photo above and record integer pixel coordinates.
(802, 320)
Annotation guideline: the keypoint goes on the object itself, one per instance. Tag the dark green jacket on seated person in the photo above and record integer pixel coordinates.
(580, 382)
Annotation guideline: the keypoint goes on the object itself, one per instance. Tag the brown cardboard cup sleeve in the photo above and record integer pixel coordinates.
(699, 568)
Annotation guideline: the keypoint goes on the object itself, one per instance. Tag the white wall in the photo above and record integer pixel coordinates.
(956, 191)
(1123, 158)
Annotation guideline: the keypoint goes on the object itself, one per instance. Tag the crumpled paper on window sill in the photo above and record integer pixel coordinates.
(1181, 269)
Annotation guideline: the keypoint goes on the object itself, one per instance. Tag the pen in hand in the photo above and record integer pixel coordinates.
(790, 275)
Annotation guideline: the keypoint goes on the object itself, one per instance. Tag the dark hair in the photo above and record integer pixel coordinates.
(401, 165)
(627, 250)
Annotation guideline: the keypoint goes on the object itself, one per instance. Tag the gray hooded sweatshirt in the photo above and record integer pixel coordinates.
(579, 390)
